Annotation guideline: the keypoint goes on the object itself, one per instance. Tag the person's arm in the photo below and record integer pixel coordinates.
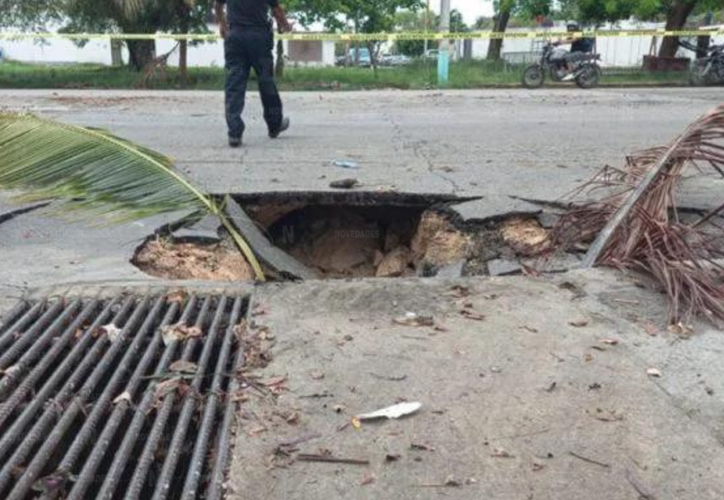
(283, 23)
(221, 19)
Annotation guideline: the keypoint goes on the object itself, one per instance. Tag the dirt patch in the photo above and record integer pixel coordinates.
(437, 242)
(525, 236)
(165, 258)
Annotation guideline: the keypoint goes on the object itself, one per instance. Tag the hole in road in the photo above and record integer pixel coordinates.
(352, 235)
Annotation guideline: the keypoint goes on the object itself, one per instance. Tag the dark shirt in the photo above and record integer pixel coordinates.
(582, 45)
(249, 13)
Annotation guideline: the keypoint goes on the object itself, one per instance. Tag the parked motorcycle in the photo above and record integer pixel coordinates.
(586, 70)
(707, 70)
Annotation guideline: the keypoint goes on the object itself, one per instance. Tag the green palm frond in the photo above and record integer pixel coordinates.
(97, 174)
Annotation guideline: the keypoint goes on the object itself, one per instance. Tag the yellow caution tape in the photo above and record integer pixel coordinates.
(366, 37)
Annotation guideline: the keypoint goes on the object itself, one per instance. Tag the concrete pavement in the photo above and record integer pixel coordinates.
(485, 384)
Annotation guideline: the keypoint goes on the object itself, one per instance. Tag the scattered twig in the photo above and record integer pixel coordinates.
(642, 490)
(301, 439)
(391, 379)
(307, 457)
(590, 460)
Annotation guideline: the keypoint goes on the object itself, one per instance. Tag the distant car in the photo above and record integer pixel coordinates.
(431, 54)
(364, 59)
(394, 60)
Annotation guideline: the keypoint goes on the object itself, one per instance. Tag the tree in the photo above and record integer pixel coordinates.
(124, 16)
(359, 16)
(423, 21)
(504, 9)
(676, 12)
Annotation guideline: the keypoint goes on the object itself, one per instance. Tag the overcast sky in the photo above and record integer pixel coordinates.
(471, 9)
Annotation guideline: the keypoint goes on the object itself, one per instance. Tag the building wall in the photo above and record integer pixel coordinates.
(200, 54)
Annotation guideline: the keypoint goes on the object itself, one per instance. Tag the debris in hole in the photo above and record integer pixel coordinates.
(525, 236)
(394, 264)
(503, 267)
(437, 242)
(654, 372)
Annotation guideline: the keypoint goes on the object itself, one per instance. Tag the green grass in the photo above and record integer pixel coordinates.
(422, 75)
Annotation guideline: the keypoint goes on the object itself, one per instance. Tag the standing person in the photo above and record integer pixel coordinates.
(246, 28)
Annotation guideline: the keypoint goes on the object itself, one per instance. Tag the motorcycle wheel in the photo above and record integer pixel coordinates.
(589, 76)
(533, 76)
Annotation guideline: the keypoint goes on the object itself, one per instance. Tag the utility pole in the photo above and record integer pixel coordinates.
(427, 27)
(443, 56)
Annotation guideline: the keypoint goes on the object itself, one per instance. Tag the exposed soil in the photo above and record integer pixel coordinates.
(369, 241)
(354, 241)
(165, 258)
(525, 236)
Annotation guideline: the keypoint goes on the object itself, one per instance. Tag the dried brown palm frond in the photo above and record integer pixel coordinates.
(636, 225)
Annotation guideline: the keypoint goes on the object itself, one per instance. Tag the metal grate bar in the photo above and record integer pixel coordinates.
(7, 335)
(84, 480)
(11, 439)
(221, 461)
(51, 442)
(25, 338)
(118, 410)
(201, 446)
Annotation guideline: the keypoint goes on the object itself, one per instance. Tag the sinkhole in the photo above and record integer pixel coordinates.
(352, 235)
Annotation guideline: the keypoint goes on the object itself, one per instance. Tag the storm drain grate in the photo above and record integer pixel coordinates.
(122, 398)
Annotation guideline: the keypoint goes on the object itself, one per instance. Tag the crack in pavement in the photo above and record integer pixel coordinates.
(417, 148)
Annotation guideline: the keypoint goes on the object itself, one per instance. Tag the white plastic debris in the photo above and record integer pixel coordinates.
(112, 331)
(394, 411)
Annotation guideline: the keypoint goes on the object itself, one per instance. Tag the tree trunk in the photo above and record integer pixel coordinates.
(675, 20)
(279, 67)
(372, 47)
(496, 45)
(141, 53)
(183, 51)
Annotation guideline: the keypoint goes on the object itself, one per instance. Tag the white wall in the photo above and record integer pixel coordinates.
(99, 52)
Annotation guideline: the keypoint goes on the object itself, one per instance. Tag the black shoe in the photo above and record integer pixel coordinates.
(284, 126)
(234, 142)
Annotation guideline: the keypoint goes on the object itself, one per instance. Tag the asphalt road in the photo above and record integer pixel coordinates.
(515, 142)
